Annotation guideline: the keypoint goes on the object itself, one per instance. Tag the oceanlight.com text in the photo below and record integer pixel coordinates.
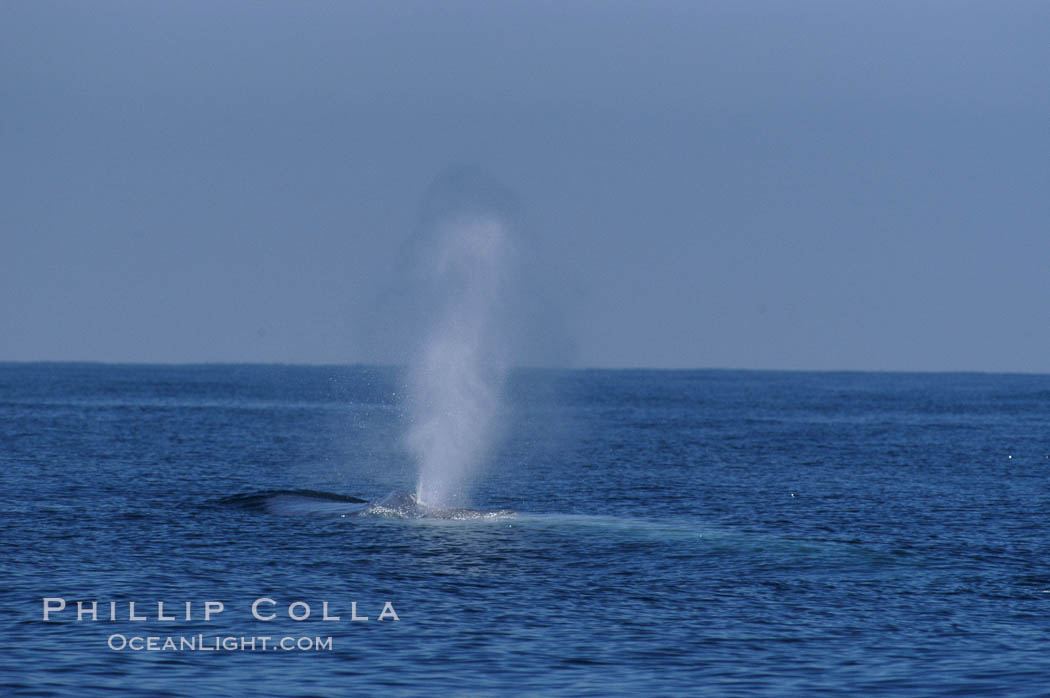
(217, 643)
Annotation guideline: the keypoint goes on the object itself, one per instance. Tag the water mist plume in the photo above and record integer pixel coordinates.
(464, 266)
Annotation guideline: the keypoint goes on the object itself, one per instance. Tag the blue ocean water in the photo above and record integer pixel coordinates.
(684, 532)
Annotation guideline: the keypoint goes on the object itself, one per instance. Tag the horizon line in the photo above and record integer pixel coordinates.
(654, 369)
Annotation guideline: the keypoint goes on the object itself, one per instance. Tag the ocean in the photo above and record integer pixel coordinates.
(656, 533)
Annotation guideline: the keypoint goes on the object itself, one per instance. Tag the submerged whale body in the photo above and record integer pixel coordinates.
(406, 505)
(403, 503)
(291, 502)
(400, 499)
(397, 505)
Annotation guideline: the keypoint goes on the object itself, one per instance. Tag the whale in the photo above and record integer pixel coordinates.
(296, 502)
(407, 503)
(398, 504)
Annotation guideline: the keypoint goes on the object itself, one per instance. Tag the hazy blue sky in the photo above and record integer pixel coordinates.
(707, 184)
